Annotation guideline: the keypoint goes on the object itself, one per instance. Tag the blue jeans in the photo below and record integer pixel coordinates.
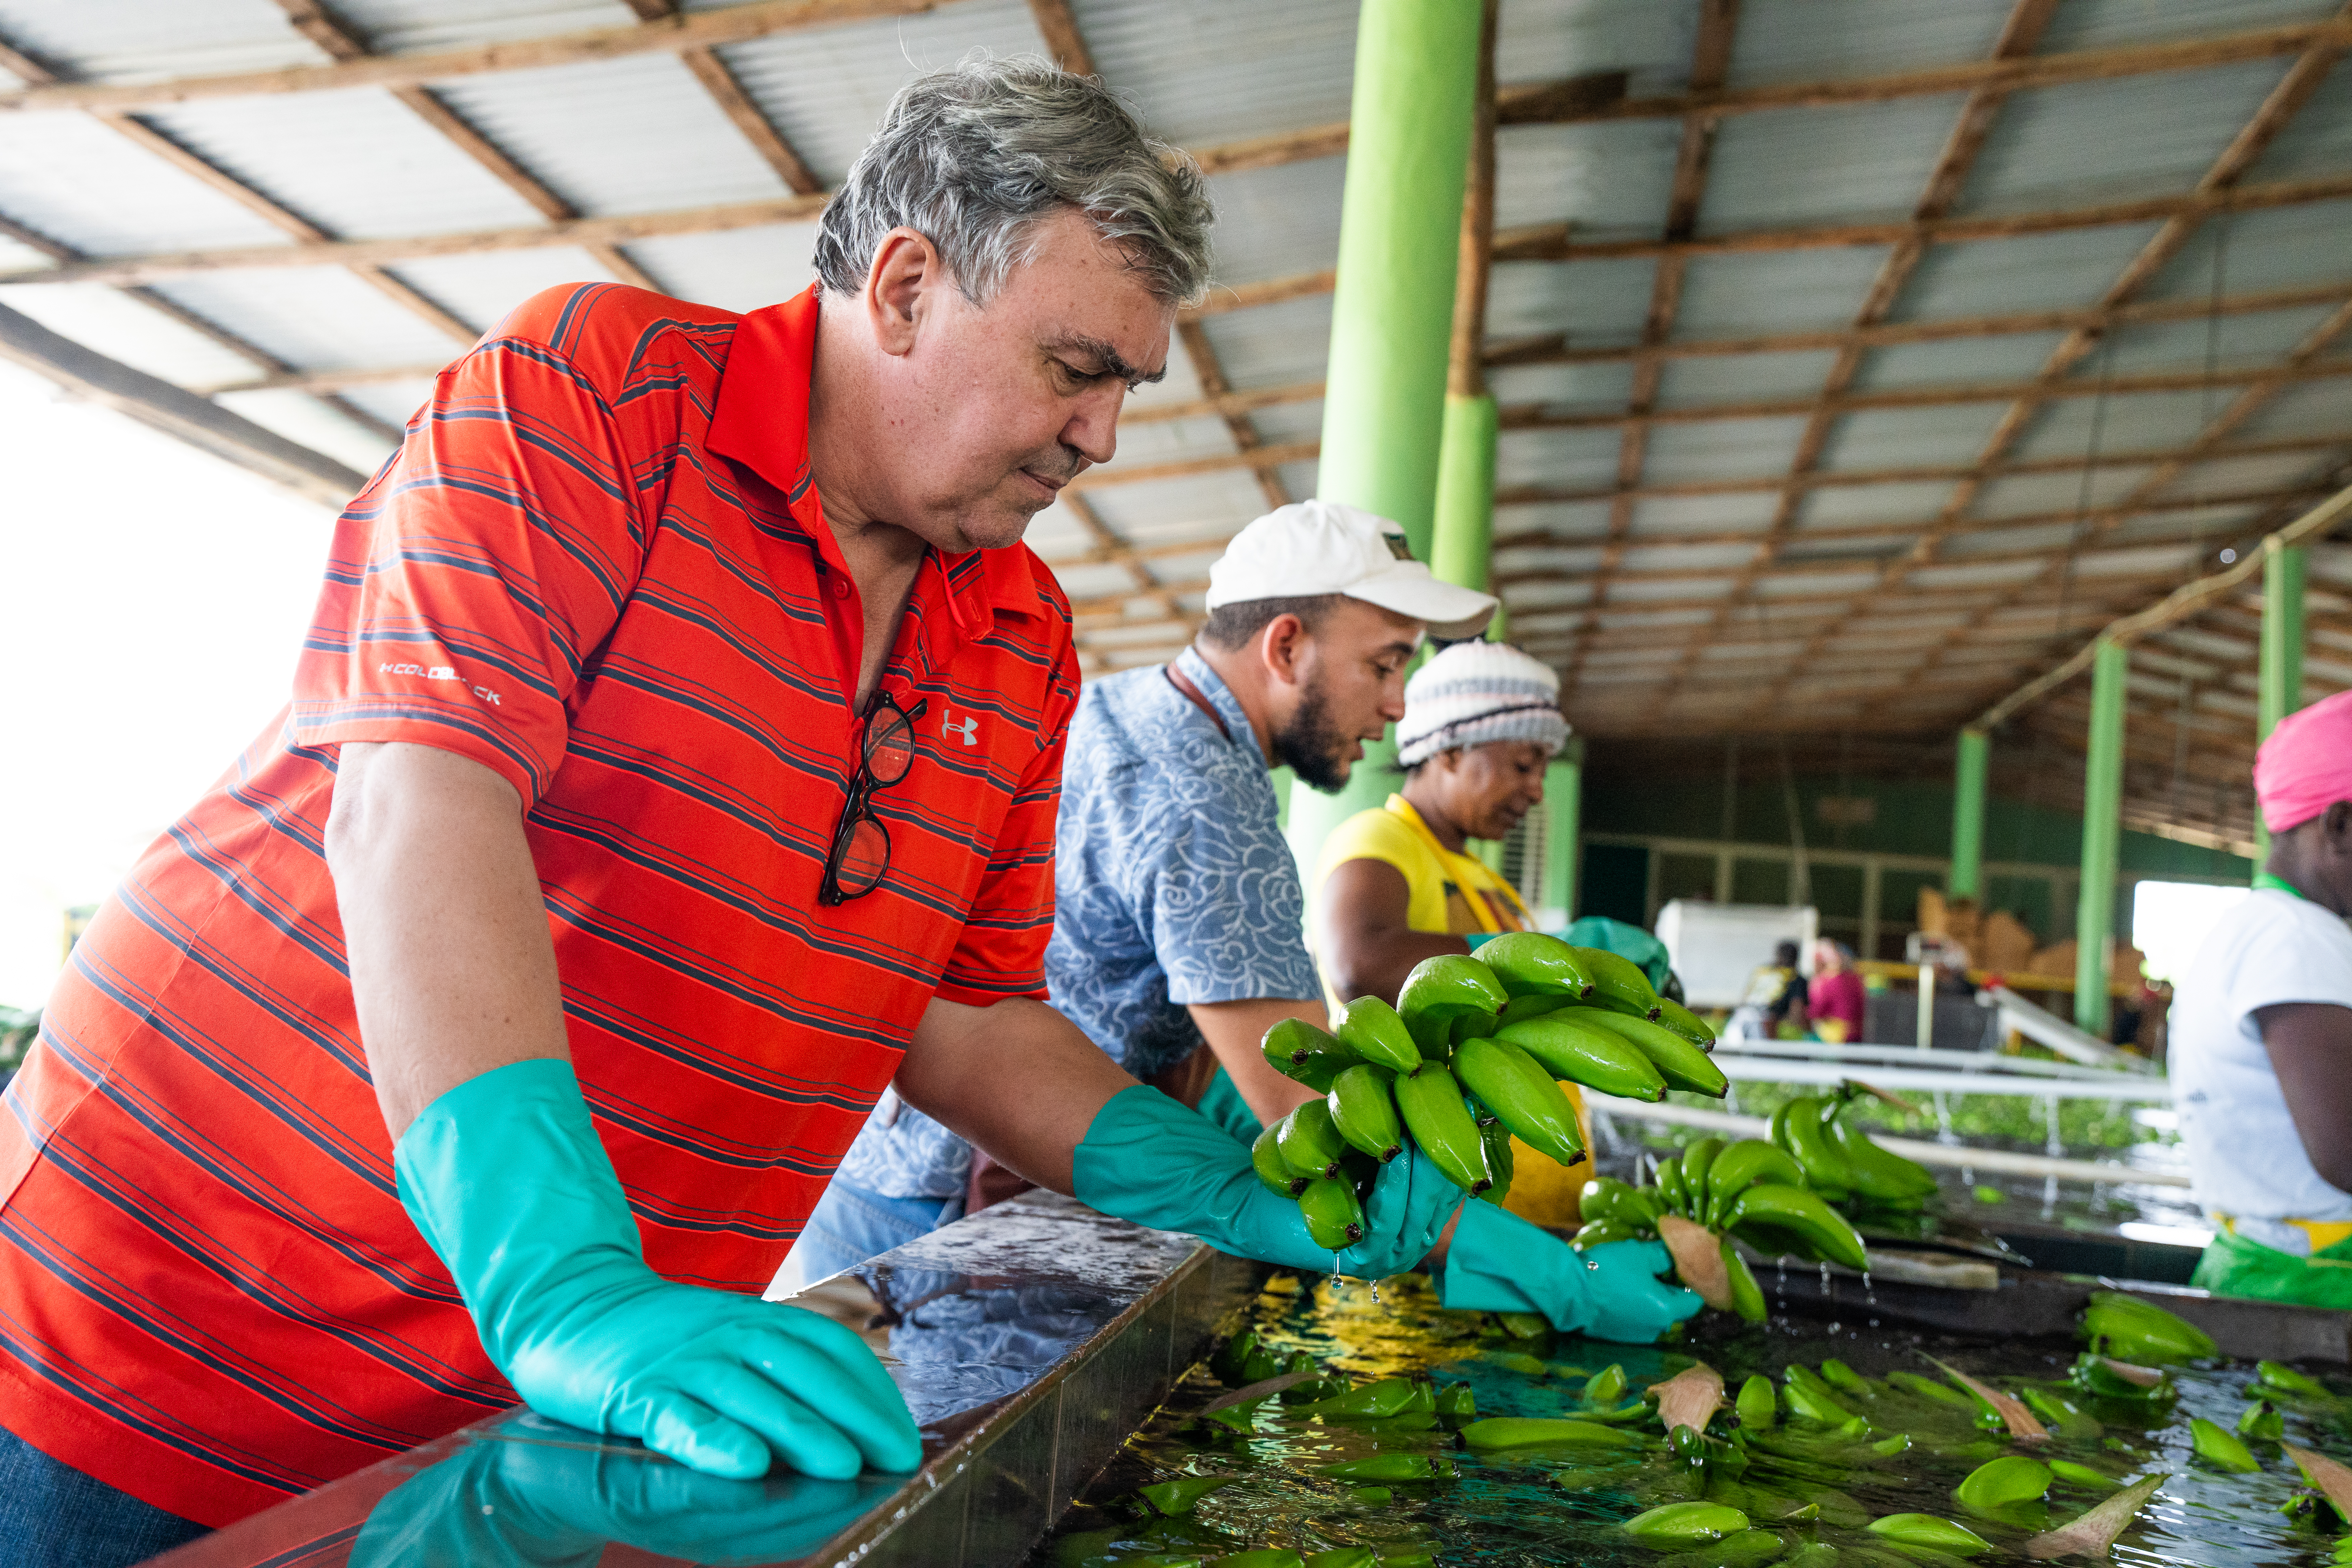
(54, 1516)
(851, 1224)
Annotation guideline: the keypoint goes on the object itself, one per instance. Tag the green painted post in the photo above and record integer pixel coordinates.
(2103, 794)
(1465, 542)
(2281, 682)
(1967, 878)
(1563, 821)
(1392, 308)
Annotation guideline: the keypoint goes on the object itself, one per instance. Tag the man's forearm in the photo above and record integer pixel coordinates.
(452, 969)
(1017, 1080)
(1234, 1031)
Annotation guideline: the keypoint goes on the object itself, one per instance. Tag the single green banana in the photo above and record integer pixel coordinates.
(2082, 1476)
(1457, 1399)
(1523, 1094)
(1529, 963)
(1298, 1049)
(1307, 1140)
(1601, 1233)
(1570, 1047)
(1267, 1161)
(2219, 1448)
(1671, 1184)
(2064, 1417)
(1913, 1384)
(1927, 1530)
(1604, 1197)
(1757, 1407)
(1846, 1380)
(2262, 1422)
(1390, 1468)
(1681, 1063)
(1673, 1015)
(1388, 1397)
(1740, 1167)
(1538, 1432)
(1697, 1159)
(1747, 1296)
(1998, 1483)
(1878, 1175)
(2112, 1379)
(1372, 1029)
(2132, 1329)
(1339, 1556)
(1795, 1209)
(1607, 1387)
(2286, 1380)
(1364, 1111)
(1334, 1218)
(1810, 1398)
(1168, 1498)
(1442, 989)
(1618, 982)
(1685, 1523)
(1495, 1141)
(1808, 1142)
(1431, 1102)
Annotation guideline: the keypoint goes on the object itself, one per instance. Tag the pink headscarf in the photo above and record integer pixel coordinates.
(2305, 766)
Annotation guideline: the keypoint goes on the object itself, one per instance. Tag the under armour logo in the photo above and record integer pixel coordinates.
(968, 729)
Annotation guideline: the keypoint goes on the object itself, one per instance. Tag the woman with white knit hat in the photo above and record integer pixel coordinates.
(1396, 884)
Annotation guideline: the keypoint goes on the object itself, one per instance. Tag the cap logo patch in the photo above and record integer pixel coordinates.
(1399, 546)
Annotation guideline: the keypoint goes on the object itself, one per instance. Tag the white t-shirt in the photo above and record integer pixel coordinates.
(2244, 1153)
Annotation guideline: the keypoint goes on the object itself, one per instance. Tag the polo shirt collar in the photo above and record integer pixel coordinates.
(762, 421)
(1220, 697)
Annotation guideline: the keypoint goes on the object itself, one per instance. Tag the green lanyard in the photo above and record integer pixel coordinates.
(2277, 884)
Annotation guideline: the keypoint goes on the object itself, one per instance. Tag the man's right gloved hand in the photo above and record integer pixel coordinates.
(1498, 1262)
(1147, 1159)
(506, 1179)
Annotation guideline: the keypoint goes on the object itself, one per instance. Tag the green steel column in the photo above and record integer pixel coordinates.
(2281, 690)
(1967, 880)
(2103, 794)
(1563, 822)
(1466, 492)
(1392, 311)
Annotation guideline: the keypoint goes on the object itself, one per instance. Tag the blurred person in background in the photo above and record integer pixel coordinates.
(1833, 997)
(2260, 1046)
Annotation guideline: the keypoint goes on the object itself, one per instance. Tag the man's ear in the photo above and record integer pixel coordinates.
(1282, 647)
(2338, 827)
(907, 269)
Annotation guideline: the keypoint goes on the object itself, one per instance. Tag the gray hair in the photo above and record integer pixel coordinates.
(976, 158)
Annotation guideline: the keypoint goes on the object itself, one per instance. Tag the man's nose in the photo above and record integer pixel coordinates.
(1093, 429)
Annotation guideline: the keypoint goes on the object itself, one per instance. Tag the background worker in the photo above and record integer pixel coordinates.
(1397, 884)
(1835, 999)
(492, 1026)
(2261, 1036)
(1177, 921)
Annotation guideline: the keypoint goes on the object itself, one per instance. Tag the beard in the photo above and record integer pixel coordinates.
(1312, 747)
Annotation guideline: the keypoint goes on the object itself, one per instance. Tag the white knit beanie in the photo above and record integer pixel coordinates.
(1474, 693)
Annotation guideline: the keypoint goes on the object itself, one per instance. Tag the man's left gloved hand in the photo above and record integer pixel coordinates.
(1147, 1159)
(1498, 1262)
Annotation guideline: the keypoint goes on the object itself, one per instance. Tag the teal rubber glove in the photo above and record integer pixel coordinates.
(1498, 1262)
(1223, 1104)
(521, 1500)
(1145, 1158)
(505, 1177)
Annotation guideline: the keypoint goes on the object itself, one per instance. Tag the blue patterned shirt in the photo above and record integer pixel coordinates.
(1173, 885)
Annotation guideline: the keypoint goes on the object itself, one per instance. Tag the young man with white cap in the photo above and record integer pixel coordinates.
(1179, 916)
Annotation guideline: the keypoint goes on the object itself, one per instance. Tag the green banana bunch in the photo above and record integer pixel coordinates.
(1266, 1159)
(1431, 1102)
(1617, 983)
(1570, 1047)
(2131, 1330)
(1370, 1028)
(1364, 1111)
(1519, 1090)
(1298, 1049)
(1442, 992)
(1879, 1176)
(1681, 1064)
(1780, 1208)
(1309, 1141)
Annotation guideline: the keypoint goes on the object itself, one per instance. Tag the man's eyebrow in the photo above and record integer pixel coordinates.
(1113, 363)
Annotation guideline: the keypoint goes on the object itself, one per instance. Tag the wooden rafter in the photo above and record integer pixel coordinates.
(702, 61)
(2020, 37)
(2301, 80)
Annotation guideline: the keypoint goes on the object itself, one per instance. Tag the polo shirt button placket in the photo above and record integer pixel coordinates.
(840, 586)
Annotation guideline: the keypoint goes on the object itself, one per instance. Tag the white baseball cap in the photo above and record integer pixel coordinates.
(1314, 547)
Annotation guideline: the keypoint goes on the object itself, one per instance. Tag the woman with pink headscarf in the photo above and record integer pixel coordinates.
(2261, 1036)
